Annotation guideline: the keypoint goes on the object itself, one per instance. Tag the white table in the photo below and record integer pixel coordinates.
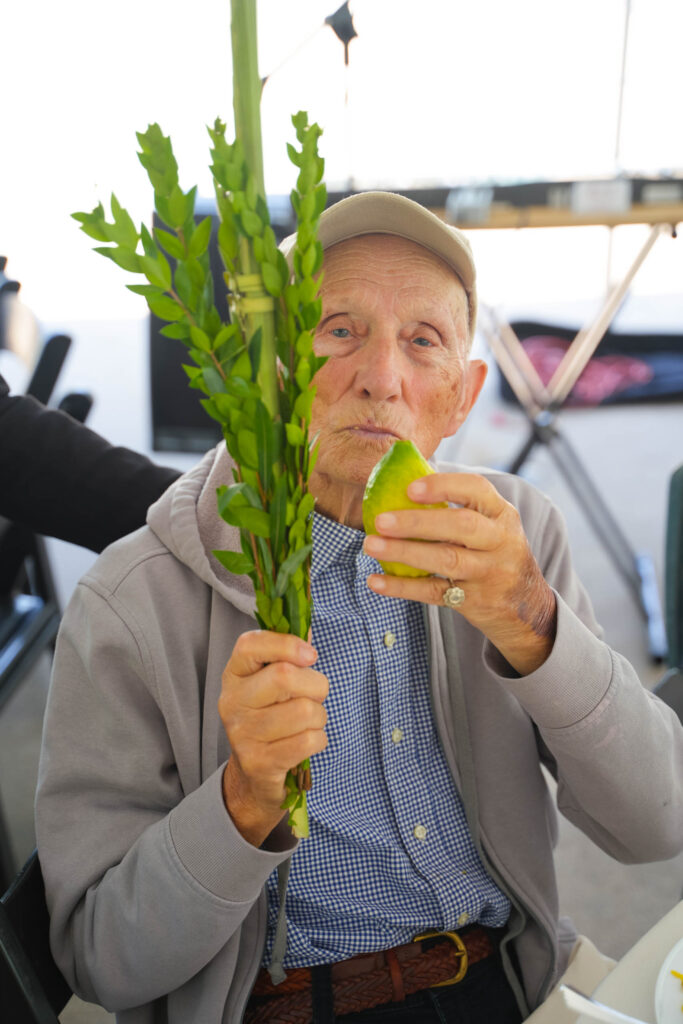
(630, 986)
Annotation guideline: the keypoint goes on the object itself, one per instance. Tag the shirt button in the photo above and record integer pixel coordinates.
(420, 832)
(463, 919)
(396, 735)
(389, 640)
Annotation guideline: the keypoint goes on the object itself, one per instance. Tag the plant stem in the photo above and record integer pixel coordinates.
(247, 109)
(247, 85)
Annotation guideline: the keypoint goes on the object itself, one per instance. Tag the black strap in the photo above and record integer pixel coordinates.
(321, 992)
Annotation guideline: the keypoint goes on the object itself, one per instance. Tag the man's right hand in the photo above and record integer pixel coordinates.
(271, 706)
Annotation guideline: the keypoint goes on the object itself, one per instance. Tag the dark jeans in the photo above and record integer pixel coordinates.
(482, 997)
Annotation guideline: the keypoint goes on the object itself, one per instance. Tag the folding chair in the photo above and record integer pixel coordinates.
(542, 404)
(29, 605)
(32, 988)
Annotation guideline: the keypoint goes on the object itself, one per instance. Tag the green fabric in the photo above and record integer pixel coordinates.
(673, 572)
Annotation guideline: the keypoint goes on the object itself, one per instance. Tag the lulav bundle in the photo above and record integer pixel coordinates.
(255, 371)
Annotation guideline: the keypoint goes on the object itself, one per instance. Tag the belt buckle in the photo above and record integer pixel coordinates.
(460, 953)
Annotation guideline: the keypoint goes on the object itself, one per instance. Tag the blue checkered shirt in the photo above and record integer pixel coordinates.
(390, 853)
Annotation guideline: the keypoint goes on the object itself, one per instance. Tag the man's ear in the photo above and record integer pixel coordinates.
(475, 375)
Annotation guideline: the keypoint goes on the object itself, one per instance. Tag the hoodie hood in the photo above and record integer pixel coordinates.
(186, 521)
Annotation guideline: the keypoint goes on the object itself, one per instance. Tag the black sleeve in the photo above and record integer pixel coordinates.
(63, 480)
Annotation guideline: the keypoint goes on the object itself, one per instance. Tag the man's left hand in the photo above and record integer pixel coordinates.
(480, 546)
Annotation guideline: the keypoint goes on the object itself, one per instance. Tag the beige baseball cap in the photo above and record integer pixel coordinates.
(387, 213)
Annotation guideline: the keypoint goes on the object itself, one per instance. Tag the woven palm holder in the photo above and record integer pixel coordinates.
(371, 979)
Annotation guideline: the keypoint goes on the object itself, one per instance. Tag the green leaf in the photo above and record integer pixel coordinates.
(278, 515)
(235, 562)
(251, 223)
(302, 374)
(276, 610)
(195, 272)
(93, 223)
(306, 506)
(144, 289)
(246, 440)
(228, 241)
(165, 308)
(297, 530)
(148, 243)
(293, 155)
(193, 372)
(227, 344)
(259, 249)
(263, 545)
(302, 406)
(295, 435)
(255, 352)
(123, 230)
(224, 403)
(187, 293)
(211, 409)
(320, 200)
(179, 207)
(304, 344)
(214, 383)
(263, 440)
(171, 243)
(308, 260)
(238, 387)
(200, 339)
(180, 331)
(283, 268)
(200, 238)
(124, 258)
(157, 271)
(242, 367)
(270, 245)
(237, 495)
(288, 567)
(272, 281)
(293, 606)
(157, 159)
(253, 519)
(308, 291)
(310, 314)
(263, 603)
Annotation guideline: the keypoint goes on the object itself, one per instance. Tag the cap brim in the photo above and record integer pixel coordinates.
(387, 213)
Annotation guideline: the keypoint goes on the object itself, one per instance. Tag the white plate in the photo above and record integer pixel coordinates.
(669, 988)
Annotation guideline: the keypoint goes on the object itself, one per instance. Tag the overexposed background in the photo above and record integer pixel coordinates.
(434, 93)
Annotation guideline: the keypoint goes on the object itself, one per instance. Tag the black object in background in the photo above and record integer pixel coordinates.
(179, 422)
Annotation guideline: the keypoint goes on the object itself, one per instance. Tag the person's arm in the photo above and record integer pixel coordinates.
(61, 479)
(147, 877)
(618, 751)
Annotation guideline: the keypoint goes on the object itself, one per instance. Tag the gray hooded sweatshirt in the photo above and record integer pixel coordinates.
(158, 904)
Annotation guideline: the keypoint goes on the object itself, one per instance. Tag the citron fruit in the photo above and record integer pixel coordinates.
(385, 491)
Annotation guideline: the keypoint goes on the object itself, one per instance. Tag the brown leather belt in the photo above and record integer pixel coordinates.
(432, 959)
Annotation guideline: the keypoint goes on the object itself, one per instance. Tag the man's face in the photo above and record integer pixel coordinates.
(394, 329)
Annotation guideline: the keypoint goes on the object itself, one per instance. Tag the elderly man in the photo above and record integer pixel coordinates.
(427, 705)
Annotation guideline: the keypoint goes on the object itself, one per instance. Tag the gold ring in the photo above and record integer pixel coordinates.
(453, 596)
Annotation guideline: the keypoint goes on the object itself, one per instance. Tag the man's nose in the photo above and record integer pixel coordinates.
(379, 372)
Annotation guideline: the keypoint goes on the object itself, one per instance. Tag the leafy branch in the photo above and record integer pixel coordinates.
(255, 371)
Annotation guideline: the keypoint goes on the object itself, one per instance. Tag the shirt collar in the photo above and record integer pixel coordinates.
(333, 542)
